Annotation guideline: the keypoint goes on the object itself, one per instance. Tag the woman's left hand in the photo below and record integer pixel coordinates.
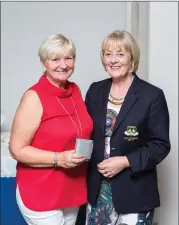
(113, 165)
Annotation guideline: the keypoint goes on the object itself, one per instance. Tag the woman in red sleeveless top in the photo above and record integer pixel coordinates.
(51, 177)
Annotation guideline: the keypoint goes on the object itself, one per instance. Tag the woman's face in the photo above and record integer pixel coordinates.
(59, 69)
(117, 63)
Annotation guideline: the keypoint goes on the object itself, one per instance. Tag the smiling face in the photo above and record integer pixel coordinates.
(120, 54)
(59, 68)
(57, 55)
(118, 63)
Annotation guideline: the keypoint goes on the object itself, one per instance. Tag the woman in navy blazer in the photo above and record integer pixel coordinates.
(131, 136)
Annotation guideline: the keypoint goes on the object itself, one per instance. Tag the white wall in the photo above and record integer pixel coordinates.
(163, 72)
(25, 24)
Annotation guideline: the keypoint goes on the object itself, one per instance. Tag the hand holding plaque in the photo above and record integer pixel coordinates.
(84, 147)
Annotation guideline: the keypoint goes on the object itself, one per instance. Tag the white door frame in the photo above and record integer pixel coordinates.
(138, 26)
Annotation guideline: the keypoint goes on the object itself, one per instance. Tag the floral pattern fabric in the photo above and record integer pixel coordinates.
(103, 213)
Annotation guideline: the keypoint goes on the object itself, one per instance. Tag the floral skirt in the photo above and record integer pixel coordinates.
(103, 213)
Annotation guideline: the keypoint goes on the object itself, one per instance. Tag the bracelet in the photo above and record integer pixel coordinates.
(55, 159)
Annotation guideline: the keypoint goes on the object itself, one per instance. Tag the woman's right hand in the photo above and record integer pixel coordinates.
(69, 159)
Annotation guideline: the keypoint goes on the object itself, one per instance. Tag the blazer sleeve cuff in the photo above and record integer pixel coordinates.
(134, 171)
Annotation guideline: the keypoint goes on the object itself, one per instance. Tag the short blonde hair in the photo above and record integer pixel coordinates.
(119, 40)
(56, 45)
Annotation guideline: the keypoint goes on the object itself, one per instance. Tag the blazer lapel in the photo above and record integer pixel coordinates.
(103, 97)
(129, 101)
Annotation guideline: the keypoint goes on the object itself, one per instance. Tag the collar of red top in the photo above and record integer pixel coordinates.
(56, 91)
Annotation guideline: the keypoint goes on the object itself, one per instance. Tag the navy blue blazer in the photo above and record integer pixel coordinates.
(141, 133)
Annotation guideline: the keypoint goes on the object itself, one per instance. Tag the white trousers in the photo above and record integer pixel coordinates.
(65, 216)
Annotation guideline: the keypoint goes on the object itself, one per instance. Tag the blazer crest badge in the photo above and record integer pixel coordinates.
(131, 133)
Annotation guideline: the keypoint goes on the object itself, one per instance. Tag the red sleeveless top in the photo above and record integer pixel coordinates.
(44, 189)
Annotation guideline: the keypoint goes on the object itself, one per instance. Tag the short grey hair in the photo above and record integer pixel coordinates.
(56, 45)
(122, 40)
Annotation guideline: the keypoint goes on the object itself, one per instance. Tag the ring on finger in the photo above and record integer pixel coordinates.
(73, 165)
(108, 174)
